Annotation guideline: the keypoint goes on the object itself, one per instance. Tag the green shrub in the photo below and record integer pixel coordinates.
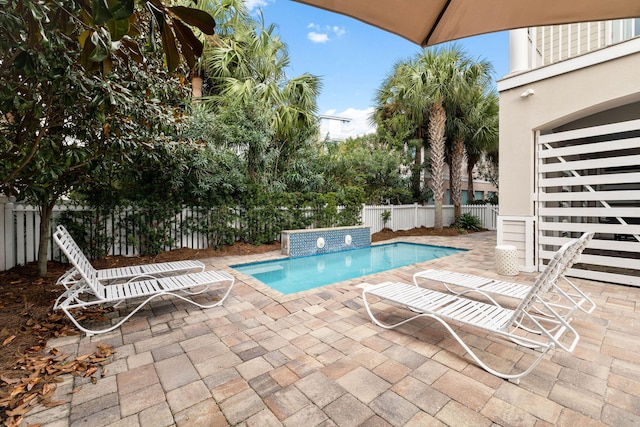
(149, 227)
(467, 222)
(89, 229)
(386, 216)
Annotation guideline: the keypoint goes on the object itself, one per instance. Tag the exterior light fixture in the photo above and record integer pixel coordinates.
(527, 93)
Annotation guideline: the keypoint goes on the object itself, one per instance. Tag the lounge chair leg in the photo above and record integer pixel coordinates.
(511, 377)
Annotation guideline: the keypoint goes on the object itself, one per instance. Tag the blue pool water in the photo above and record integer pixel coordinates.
(291, 275)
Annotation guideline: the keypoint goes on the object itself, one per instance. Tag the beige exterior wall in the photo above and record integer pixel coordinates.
(562, 93)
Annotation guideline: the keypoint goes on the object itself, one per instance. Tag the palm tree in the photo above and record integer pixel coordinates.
(444, 78)
(396, 97)
(437, 80)
(247, 65)
(466, 124)
(483, 135)
(228, 15)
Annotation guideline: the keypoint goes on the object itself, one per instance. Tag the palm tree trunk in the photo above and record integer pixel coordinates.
(470, 165)
(437, 120)
(418, 161)
(455, 177)
(196, 87)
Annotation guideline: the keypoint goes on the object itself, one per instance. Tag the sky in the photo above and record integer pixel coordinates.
(353, 58)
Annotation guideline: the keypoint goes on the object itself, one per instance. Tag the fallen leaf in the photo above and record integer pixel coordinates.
(20, 410)
(48, 388)
(90, 371)
(8, 340)
(13, 421)
(8, 380)
(17, 390)
(83, 357)
(52, 403)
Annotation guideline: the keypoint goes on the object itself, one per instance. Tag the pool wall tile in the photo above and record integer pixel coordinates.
(324, 240)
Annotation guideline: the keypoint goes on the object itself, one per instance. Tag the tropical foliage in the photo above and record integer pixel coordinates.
(447, 104)
(245, 65)
(96, 106)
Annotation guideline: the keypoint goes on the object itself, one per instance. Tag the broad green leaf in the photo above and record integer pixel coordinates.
(100, 12)
(22, 60)
(118, 28)
(82, 38)
(170, 48)
(99, 54)
(196, 17)
(36, 34)
(86, 51)
(121, 9)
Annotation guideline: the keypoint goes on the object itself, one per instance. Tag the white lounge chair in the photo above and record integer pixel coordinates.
(554, 329)
(89, 291)
(130, 273)
(568, 300)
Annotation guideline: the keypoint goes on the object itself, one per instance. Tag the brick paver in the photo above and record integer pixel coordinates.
(316, 359)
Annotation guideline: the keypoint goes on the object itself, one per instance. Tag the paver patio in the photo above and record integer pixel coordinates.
(316, 359)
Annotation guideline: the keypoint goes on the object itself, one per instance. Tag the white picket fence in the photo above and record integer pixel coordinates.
(406, 217)
(20, 227)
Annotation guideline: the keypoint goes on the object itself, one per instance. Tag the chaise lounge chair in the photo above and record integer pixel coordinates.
(89, 291)
(573, 298)
(553, 330)
(131, 273)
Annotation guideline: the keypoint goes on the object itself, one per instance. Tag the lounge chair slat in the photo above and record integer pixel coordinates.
(572, 299)
(147, 281)
(552, 328)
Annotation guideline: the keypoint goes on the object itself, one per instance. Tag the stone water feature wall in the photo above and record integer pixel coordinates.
(323, 240)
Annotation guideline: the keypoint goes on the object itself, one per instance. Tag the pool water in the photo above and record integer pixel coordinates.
(291, 275)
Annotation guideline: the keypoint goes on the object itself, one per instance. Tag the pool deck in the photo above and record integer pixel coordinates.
(316, 359)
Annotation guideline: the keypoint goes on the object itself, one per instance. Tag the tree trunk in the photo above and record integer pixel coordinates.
(196, 87)
(417, 169)
(470, 165)
(455, 177)
(46, 209)
(437, 119)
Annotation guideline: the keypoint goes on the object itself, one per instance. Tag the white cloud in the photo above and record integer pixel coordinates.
(321, 34)
(359, 119)
(339, 31)
(252, 4)
(318, 37)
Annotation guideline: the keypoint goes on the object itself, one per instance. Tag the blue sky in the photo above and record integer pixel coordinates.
(353, 58)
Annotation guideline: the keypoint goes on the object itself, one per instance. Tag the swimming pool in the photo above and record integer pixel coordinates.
(291, 275)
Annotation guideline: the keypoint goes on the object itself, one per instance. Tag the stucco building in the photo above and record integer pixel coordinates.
(570, 146)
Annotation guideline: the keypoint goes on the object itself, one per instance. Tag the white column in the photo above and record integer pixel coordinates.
(518, 50)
